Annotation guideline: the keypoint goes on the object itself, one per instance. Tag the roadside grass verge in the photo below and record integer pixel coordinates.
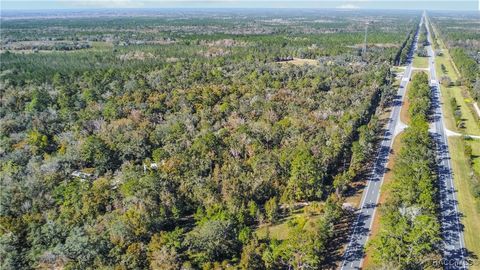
(448, 69)
(470, 217)
(462, 97)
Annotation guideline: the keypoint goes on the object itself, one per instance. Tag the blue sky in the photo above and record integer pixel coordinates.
(349, 4)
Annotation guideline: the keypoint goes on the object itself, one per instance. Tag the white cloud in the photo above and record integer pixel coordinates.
(348, 6)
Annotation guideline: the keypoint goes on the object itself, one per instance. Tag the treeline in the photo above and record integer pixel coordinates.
(51, 46)
(409, 236)
(423, 41)
(360, 152)
(185, 24)
(402, 55)
(420, 96)
(469, 70)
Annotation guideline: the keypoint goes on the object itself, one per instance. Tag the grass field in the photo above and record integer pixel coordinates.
(397, 69)
(449, 70)
(460, 94)
(420, 62)
(101, 45)
(471, 126)
(281, 229)
(476, 159)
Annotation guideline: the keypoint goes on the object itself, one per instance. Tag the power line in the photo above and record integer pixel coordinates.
(364, 49)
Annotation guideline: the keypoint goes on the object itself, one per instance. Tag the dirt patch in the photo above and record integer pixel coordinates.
(138, 55)
(404, 115)
(212, 52)
(300, 62)
(378, 45)
(224, 43)
(355, 196)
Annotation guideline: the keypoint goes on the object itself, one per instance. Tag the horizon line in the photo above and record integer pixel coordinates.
(225, 8)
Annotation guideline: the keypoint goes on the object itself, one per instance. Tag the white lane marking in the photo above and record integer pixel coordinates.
(453, 195)
(362, 202)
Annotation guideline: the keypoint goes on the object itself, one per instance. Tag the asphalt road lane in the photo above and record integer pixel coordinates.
(452, 231)
(354, 254)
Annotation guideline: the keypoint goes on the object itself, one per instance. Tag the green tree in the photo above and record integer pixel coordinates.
(38, 141)
(251, 257)
(40, 100)
(214, 240)
(304, 182)
(135, 256)
(97, 154)
(271, 209)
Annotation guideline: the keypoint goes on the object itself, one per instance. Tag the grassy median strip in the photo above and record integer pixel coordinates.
(404, 113)
(420, 62)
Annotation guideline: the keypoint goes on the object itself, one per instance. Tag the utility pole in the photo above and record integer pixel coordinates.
(364, 49)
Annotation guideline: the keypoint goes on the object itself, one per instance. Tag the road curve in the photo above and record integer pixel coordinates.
(354, 253)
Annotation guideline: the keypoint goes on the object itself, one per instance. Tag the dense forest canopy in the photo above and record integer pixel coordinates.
(168, 140)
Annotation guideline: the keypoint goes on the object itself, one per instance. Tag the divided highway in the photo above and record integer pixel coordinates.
(452, 232)
(454, 252)
(354, 254)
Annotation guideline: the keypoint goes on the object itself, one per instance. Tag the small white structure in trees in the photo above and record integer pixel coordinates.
(83, 175)
(152, 166)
